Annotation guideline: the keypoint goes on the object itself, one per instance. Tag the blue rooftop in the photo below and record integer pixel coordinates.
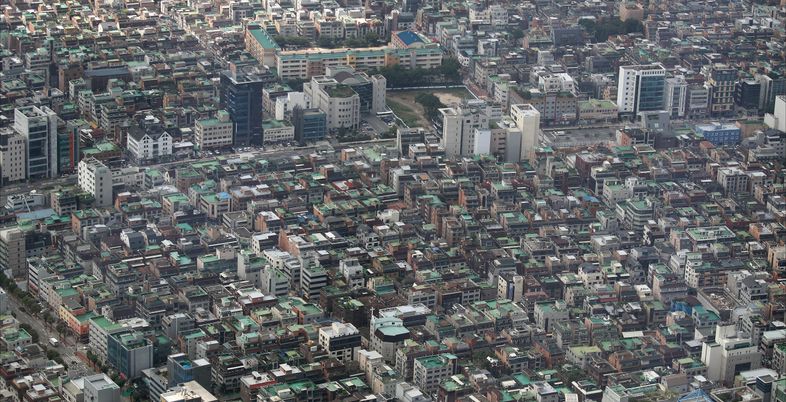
(409, 37)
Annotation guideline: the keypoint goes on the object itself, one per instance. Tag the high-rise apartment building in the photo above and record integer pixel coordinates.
(720, 81)
(95, 178)
(640, 88)
(460, 124)
(39, 127)
(13, 158)
(527, 120)
(241, 96)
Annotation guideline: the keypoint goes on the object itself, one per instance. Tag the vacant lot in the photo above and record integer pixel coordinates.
(404, 106)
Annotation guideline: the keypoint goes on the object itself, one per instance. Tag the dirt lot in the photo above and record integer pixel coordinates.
(404, 106)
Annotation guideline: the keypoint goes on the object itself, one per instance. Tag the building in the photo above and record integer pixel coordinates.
(96, 179)
(370, 89)
(214, 133)
(773, 85)
(341, 340)
(129, 353)
(100, 388)
(511, 287)
(527, 120)
(340, 102)
(429, 371)
(387, 334)
(274, 131)
(191, 391)
(13, 261)
(597, 110)
(39, 128)
(460, 124)
(675, 96)
(147, 140)
(259, 43)
(733, 180)
(719, 133)
(310, 124)
(241, 96)
(729, 354)
(13, 157)
(777, 119)
(720, 81)
(305, 64)
(181, 369)
(640, 88)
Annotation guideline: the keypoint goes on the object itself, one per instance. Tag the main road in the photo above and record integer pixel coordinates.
(76, 366)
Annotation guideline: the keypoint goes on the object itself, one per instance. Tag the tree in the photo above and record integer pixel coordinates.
(431, 104)
(451, 69)
(326, 43)
(33, 333)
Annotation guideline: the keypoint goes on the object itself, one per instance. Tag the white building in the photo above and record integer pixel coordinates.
(285, 104)
(149, 140)
(640, 88)
(100, 388)
(39, 128)
(190, 391)
(13, 157)
(215, 132)
(729, 354)
(459, 126)
(482, 144)
(341, 340)
(777, 119)
(352, 271)
(96, 179)
(340, 102)
(675, 96)
(560, 82)
(273, 282)
(733, 180)
(527, 120)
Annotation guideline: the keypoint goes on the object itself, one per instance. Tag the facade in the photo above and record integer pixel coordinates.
(12, 252)
(274, 131)
(675, 96)
(147, 140)
(340, 102)
(310, 124)
(772, 86)
(100, 388)
(429, 371)
(181, 369)
(733, 180)
(341, 340)
(96, 179)
(729, 355)
(721, 81)
(214, 133)
(305, 64)
(13, 157)
(460, 124)
(527, 120)
(129, 353)
(39, 128)
(719, 134)
(241, 96)
(640, 88)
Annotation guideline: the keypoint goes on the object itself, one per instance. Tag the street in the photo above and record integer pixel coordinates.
(76, 367)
